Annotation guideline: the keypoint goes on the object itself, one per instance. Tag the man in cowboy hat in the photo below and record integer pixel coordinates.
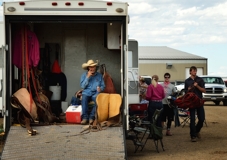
(92, 84)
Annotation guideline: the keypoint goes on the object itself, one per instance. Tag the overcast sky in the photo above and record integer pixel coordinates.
(194, 26)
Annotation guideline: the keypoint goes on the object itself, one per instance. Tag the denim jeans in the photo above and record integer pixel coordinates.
(85, 100)
(151, 109)
(195, 128)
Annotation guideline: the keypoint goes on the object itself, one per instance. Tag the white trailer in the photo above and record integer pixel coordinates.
(82, 30)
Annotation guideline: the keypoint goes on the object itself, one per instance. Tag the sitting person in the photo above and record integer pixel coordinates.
(143, 90)
(76, 100)
(92, 84)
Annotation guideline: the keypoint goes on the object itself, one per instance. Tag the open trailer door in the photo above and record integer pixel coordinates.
(3, 48)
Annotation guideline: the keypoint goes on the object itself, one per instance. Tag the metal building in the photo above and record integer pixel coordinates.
(161, 59)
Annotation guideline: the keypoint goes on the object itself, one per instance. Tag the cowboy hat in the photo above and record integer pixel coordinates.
(89, 64)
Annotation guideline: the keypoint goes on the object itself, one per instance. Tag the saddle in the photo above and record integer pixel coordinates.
(107, 80)
(107, 113)
(108, 108)
(30, 110)
(27, 113)
(21, 99)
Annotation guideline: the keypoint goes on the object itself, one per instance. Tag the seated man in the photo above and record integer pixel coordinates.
(92, 84)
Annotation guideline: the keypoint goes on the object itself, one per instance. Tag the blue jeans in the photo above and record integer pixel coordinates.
(195, 128)
(151, 109)
(85, 100)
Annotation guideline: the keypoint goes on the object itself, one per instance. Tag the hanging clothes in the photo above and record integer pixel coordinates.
(58, 77)
(45, 65)
(32, 46)
(56, 67)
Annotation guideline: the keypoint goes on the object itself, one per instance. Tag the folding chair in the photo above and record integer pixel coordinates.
(140, 128)
(136, 143)
(155, 132)
(184, 115)
(138, 109)
(205, 122)
(138, 113)
(136, 128)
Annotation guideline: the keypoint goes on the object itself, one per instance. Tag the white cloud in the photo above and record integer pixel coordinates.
(141, 8)
(186, 12)
(177, 24)
(218, 10)
(186, 22)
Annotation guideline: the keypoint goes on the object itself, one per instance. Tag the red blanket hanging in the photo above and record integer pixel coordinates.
(32, 47)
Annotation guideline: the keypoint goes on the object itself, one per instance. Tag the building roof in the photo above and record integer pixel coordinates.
(163, 52)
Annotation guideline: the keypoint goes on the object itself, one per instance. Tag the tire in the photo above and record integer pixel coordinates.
(182, 92)
(225, 103)
(217, 103)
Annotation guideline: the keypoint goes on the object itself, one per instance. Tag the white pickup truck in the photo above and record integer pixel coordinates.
(216, 90)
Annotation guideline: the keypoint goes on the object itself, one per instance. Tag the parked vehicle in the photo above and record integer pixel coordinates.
(147, 79)
(180, 89)
(216, 90)
(177, 82)
(225, 83)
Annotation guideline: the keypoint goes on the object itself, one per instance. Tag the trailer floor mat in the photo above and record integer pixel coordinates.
(58, 142)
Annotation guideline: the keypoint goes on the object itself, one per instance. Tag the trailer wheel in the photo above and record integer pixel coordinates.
(217, 103)
(225, 103)
(182, 92)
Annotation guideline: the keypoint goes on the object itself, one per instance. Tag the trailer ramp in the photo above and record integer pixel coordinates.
(59, 142)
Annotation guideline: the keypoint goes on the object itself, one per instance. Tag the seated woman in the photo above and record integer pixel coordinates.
(143, 90)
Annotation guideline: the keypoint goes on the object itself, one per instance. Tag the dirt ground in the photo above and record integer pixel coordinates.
(212, 145)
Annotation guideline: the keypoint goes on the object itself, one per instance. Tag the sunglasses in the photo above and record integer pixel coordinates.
(166, 77)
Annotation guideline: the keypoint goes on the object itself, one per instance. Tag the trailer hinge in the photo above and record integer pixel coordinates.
(5, 47)
(125, 47)
(4, 113)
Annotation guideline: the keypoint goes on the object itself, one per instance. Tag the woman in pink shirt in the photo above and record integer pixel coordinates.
(155, 94)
